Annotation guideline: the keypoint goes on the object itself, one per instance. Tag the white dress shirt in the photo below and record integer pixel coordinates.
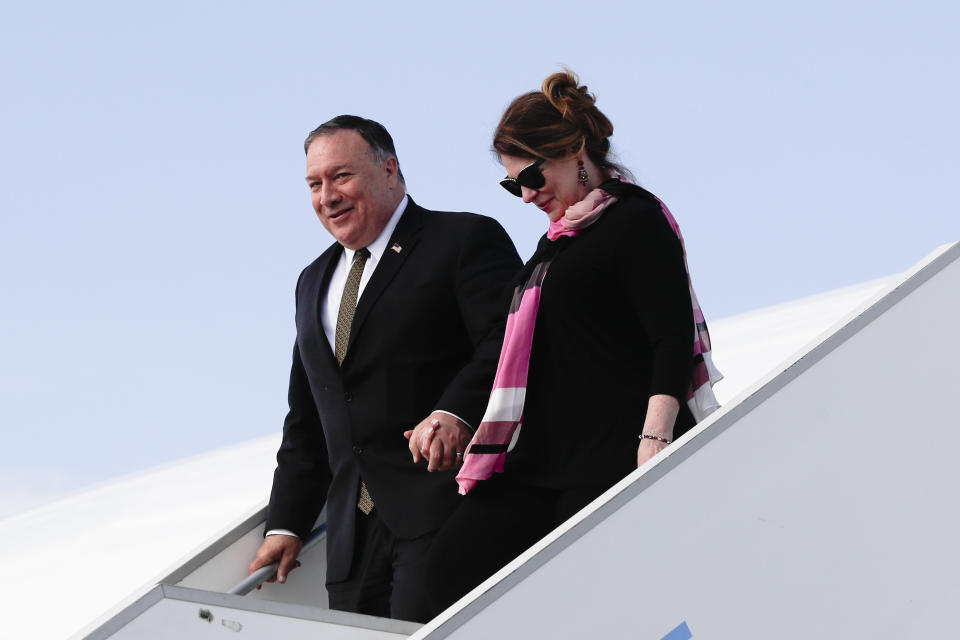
(331, 303)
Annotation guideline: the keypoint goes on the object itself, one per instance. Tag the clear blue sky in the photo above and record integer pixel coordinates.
(154, 218)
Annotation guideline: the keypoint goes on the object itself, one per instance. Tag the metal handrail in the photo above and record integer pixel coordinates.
(266, 572)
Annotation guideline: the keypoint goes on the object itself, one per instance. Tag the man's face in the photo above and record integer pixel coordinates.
(352, 195)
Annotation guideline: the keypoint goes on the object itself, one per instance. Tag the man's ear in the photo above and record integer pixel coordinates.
(392, 169)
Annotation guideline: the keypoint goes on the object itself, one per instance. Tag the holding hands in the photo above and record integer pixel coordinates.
(440, 439)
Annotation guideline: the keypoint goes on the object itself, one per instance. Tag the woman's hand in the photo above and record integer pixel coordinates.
(648, 449)
(439, 438)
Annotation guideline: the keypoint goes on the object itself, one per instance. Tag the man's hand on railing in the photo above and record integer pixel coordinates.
(278, 547)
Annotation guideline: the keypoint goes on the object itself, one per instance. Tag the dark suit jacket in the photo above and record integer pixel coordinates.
(426, 335)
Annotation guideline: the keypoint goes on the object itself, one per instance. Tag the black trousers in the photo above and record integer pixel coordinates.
(498, 520)
(386, 578)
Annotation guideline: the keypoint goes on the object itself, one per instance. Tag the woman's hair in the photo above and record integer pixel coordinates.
(558, 121)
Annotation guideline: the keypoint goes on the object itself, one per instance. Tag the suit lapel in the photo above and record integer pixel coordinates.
(406, 235)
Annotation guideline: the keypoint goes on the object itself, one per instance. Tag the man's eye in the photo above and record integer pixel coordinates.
(342, 176)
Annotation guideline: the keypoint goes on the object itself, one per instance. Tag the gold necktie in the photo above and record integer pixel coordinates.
(348, 306)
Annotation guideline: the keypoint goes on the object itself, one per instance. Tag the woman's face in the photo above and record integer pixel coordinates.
(561, 187)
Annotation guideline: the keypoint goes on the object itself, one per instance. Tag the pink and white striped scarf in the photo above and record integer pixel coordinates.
(502, 420)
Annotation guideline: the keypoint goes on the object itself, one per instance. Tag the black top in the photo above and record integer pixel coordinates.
(614, 327)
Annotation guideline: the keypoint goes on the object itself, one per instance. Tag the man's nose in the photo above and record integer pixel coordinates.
(329, 196)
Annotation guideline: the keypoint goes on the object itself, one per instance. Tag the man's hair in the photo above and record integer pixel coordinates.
(375, 134)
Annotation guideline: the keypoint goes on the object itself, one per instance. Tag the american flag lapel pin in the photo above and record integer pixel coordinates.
(396, 248)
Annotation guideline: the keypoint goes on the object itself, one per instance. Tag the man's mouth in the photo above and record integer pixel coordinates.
(334, 216)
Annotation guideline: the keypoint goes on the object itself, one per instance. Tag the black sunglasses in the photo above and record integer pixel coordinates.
(530, 177)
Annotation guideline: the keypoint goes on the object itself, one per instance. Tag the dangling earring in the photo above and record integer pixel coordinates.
(581, 172)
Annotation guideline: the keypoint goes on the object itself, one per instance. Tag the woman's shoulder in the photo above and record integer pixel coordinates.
(630, 196)
(637, 212)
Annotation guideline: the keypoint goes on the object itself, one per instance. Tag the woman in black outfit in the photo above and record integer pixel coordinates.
(604, 384)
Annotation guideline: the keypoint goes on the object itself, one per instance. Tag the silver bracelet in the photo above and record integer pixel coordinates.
(657, 438)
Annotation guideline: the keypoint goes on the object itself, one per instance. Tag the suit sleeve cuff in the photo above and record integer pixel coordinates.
(466, 424)
(280, 532)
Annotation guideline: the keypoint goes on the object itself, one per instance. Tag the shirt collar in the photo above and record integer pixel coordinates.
(378, 246)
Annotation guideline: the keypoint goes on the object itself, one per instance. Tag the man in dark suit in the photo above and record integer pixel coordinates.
(398, 326)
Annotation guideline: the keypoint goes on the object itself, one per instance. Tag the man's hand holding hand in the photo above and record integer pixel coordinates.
(438, 439)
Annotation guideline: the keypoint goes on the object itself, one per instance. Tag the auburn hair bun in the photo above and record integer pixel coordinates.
(576, 104)
(559, 121)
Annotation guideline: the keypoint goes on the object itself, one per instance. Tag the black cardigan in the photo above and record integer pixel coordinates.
(614, 327)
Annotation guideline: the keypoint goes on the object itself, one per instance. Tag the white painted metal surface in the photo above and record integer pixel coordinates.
(752, 344)
(187, 614)
(73, 560)
(179, 619)
(821, 504)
